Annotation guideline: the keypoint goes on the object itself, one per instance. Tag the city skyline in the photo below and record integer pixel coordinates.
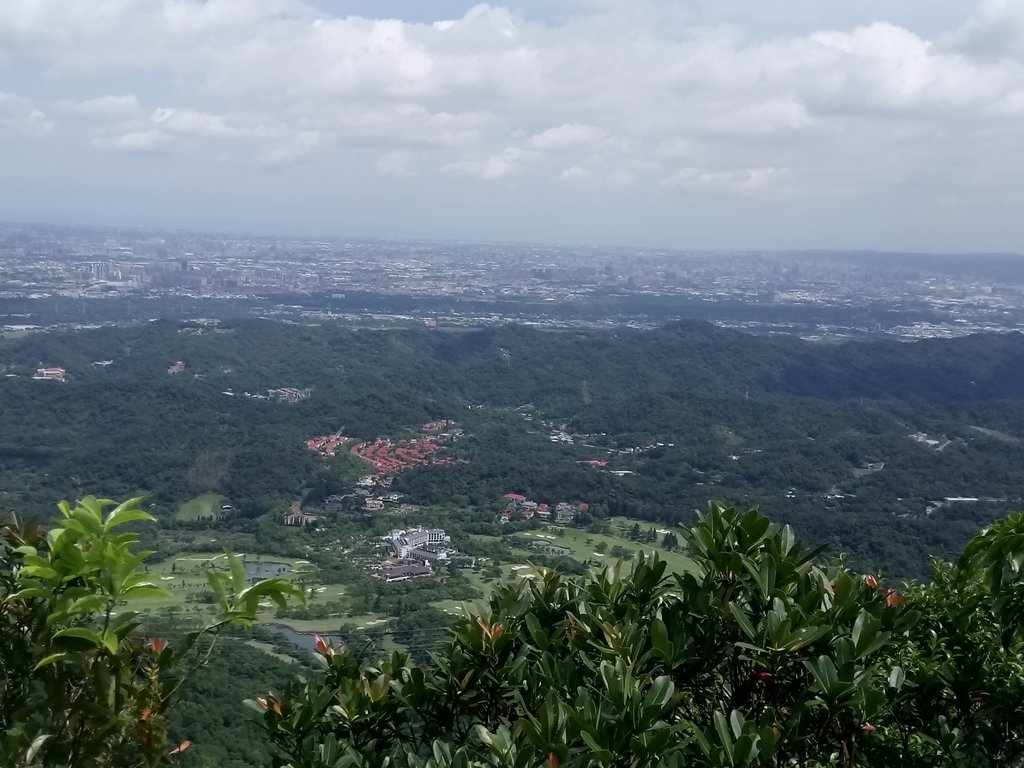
(686, 125)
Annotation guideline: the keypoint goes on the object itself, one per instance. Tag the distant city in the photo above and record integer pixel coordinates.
(54, 277)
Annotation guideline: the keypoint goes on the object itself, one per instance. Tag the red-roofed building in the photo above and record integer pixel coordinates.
(515, 497)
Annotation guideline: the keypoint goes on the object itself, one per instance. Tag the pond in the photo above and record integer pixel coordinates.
(305, 640)
(257, 571)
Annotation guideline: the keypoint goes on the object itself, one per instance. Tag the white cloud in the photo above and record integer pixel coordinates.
(742, 181)
(106, 108)
(291, 149)
(643, 94)
(136, 142)
(496, 166)
(20, 117)
(396, 164)
(575, 174)
(567, 136)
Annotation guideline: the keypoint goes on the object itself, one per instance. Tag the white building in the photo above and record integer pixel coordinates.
(403, 542)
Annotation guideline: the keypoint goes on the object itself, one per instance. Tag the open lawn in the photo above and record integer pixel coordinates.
(583, 545)
(206, 506)
(185, 578)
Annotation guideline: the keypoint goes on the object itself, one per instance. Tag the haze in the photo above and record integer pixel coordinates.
(689, 124)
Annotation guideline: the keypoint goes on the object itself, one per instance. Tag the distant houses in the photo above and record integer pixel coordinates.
(300, 519)
(288, 394)
(564, 513)
(50, 374)
(176, 367)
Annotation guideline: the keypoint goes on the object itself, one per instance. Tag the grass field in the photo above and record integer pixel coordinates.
(583, 544)
(204, 506)
(185, 578)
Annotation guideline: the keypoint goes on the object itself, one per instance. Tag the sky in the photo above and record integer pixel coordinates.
(700, 124)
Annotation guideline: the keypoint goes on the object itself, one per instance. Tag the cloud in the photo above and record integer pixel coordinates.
(496, 166)
(575, 174)
(742, 181)
(396, 164)
(20, 117)
(106, 109)
(645, 94)
(567, 136)
(291, 149)
(136, 142)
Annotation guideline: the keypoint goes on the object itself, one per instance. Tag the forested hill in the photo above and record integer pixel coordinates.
(820, 435)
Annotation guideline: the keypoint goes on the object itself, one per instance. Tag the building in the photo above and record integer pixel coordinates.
(565, 513)
(428, 555)
(401, 543)
(374, 505)
(50, 374)
(392, 573)
(177, 367)
(288, 394)
(300, 518)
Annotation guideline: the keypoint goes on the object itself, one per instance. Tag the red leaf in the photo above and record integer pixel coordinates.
(181, 747)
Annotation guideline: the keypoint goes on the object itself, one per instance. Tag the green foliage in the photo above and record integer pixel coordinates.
(755, 656)
(797, 416)
(80, 686)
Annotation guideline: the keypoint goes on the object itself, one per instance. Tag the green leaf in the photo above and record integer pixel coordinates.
(744, 622)
(52, 658)
(600, 752)
(78, 638)
(722, 728)
(144, 589)
(127, 513)
(660, 692)
(237, 570)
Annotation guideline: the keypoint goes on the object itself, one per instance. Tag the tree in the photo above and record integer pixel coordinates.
(670, 542)
(81, 686)
(751, 655)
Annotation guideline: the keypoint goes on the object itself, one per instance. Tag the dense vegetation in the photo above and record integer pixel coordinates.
(81, 685)
(818, 435)
(755, 653)
(755, 656)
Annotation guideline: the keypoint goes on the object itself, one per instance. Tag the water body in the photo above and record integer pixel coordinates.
(257, 571)
(304, 640)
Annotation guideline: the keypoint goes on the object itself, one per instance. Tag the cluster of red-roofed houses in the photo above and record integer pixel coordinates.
(389, 457)
(518, 505)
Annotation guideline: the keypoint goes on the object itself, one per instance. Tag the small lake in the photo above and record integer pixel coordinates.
(257, 571)
(305, 640)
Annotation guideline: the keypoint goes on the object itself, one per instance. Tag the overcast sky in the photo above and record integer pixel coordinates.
(887, 124)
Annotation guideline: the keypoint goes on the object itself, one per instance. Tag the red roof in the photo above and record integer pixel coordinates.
(515, 497)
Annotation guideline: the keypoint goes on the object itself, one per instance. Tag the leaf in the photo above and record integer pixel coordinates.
(125, 514)
(660, 692)
(33, 750)
(602, 754)
(144, 589)
(78, 638)
(722, 728)
(897, 677)
(51, 659)
(743, 620)
(110, 641)
(237, 571)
